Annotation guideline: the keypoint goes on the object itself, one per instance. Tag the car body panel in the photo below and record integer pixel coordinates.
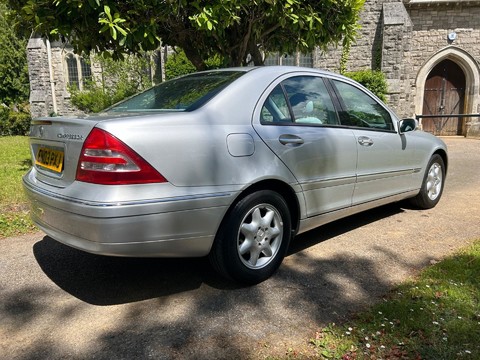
(385, 165)
(211, 157)
(323, 164)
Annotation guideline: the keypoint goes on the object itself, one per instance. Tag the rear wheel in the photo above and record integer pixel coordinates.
(432, 186)
(253, 239)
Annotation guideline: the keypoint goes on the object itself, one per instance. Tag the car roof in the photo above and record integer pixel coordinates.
(278, 70)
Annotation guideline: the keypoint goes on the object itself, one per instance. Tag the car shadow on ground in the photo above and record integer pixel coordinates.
(104, 280)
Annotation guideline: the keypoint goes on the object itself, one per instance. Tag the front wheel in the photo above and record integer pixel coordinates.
(253, 239)
(432, 186)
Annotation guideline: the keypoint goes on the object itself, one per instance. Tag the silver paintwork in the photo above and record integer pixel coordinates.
(210, 157)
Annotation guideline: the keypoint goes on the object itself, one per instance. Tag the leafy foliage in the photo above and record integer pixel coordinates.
(14, 86)
(237, 30)
(373, 80)
(15, 121)
(120, 79)
(178, 64)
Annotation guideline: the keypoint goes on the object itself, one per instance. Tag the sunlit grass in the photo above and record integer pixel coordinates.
(14, 163)
(437, 316)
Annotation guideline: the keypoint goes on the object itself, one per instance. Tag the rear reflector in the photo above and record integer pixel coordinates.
(107, 160)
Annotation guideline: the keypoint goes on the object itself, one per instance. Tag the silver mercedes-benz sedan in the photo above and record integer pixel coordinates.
(229, 163)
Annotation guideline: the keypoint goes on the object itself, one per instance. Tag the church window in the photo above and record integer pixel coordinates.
(79, 71)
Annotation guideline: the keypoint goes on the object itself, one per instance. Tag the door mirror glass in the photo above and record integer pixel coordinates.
(406, 125)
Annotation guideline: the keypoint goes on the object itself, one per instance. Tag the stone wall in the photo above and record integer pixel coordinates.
(432, 26)
(40, 90)
(43, 75)
(399, 37)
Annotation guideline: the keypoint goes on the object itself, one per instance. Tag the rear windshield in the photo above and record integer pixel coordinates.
(186, 93)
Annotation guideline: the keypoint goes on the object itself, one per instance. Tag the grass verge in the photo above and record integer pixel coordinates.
(436, 316)
(14, 163)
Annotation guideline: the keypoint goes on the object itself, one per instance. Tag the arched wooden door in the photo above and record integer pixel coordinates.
(444, 95)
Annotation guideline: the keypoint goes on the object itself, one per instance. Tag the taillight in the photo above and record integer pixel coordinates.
(107, 160)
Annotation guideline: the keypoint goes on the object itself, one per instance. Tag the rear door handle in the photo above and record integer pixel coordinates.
(365, 141)
(288, 139)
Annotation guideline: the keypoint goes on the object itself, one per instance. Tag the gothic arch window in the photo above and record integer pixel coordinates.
(79, 71)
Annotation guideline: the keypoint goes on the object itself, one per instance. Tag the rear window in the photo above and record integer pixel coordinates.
(185, 93)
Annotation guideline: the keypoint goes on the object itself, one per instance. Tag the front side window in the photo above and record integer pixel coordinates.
(360, 109)
(186, 93)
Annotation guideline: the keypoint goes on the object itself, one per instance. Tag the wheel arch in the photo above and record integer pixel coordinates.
(443, 154)
(281, 188)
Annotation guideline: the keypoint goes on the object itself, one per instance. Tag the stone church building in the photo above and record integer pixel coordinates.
(429, 51)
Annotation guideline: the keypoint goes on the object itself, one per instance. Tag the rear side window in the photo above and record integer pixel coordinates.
(275, 109)
(299, 100)
(186, 93)
(360, 109)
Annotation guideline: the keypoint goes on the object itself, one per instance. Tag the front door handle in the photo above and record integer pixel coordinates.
(365, 141)
(288, 139)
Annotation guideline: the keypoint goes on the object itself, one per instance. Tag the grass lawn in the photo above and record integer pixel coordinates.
(14, 163)
(436, 316)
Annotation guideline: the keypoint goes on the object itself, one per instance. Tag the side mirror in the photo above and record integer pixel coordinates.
(406, 125)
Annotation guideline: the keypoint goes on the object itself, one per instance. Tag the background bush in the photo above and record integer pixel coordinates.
(177, 64)
(119, 79)
(14, 86)
(373, 80)
(15, 121)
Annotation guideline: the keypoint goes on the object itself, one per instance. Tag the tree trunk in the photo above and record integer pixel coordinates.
(193, 55)
(256, 55)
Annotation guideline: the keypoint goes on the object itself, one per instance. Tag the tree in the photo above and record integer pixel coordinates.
(14, 86)
(239, 31)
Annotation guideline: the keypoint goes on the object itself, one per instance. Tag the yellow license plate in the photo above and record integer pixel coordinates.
(50, 159)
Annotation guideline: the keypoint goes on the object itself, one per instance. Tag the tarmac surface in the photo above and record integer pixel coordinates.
(57, 302)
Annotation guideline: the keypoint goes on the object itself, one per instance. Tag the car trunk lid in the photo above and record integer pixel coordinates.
(55, 145)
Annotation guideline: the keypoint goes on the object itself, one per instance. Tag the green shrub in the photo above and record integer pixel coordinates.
(373, 80)
(93, 99)
(14, 121)
(120, 79)
(178, 64)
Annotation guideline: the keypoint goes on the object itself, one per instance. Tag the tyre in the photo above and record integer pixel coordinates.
(253, 239)
(432, 185)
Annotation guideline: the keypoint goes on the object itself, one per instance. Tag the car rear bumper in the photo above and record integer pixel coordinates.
(176, 227)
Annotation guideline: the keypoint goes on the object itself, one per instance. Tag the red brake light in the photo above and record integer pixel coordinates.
(108, 161)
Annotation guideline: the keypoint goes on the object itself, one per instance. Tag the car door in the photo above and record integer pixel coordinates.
(385, 158)
(298, 122)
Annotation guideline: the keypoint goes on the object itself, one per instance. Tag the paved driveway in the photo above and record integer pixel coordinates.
(56, 302)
